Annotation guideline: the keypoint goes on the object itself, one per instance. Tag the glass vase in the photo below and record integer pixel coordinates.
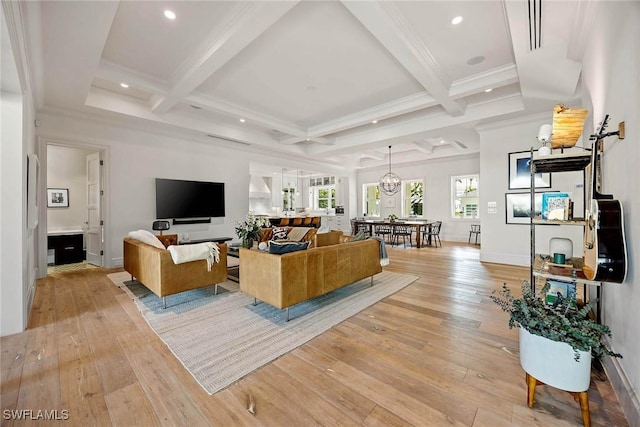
(247, 243)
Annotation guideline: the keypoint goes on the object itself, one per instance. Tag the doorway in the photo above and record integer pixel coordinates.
(74, 211)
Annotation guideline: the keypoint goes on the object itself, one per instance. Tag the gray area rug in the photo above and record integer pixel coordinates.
(221, 338)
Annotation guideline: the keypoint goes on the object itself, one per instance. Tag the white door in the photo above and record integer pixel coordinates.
(95, 226)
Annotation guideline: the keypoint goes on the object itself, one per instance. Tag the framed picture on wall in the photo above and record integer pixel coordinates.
(57, 197)
(520, 172)
(518, 207)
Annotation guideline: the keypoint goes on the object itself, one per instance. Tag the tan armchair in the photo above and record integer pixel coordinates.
(154, 268)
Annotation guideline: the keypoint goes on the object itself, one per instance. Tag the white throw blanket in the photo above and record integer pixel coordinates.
(208, 251)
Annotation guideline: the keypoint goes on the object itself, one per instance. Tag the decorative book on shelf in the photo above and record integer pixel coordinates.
(555, 206)
(566, 289)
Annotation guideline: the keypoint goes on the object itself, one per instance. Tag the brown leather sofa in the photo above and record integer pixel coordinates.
(154, 268)
(285, 280)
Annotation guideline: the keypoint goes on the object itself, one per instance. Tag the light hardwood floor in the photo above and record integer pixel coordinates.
(437, 353)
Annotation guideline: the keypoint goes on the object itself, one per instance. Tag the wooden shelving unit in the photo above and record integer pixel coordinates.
(541, 266)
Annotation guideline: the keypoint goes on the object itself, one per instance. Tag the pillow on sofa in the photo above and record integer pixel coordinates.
(279, 233)
(146, 237)
(278, 248)
(299, 234)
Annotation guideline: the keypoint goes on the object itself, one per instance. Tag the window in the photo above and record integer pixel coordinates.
(464, 196)
(371, 199)
(412, 197)
(323, 197)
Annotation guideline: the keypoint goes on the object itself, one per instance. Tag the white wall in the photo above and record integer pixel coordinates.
(510, 243)
(18, 244)
(610, 79)
(67, 168)
(436, 175)
(12, 244)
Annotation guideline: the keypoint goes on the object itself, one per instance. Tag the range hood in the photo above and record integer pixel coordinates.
(258, 188)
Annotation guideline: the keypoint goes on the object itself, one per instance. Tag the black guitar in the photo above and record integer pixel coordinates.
(605, 255)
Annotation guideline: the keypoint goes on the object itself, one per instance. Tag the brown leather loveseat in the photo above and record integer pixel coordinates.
(155, 269)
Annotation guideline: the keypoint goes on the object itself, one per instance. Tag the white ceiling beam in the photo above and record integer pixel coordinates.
(497, 77)
(546, 72)
(317, 139)
(394, 108)
(422, 146)
(248, 21)
(107, 70)
(218, 106)
(122, 105)
(496, 107)
(385, 21)
(373, 154)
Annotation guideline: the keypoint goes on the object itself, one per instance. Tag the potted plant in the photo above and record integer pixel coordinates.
(556, 340)
(249, 230)
(393, 217)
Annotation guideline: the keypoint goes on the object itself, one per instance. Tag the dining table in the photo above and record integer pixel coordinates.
(419, 225)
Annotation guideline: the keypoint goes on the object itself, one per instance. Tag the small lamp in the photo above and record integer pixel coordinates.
(161, 226)
(544, 136)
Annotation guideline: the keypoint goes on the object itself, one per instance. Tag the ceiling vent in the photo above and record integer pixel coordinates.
(535, 24)
(460, 144)
(228, 139)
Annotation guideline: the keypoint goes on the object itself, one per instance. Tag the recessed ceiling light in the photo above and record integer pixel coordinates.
(169, 14)
(488, 90)
(308, 139)
(442, 141)
(124, 85)
(242, 120)
(475, 60)
(374, 121)
(456, 20)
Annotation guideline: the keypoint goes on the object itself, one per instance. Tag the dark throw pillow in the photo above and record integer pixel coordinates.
(278, 248)
(279, 233)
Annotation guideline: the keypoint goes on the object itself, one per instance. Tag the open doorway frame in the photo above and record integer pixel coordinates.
(43, 143)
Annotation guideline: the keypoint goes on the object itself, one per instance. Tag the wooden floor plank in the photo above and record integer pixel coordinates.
(438, 352)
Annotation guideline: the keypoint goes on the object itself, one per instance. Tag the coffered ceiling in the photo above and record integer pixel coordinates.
(329, 81)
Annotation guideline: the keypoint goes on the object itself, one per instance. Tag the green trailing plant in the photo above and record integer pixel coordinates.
(560, 321)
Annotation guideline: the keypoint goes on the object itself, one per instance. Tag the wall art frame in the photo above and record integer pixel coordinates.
(520, 172)
(518, 207)
(57, 197)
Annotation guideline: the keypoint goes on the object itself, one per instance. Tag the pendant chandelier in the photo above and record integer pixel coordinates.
(390, 182)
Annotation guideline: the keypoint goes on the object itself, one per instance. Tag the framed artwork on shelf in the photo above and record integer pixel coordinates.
(520, 172)
(518, 207)
(57, 197)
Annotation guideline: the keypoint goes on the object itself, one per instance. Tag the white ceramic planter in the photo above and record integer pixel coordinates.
(553, 363)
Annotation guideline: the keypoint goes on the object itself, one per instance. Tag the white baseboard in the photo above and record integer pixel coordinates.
(117, 262)
(501, 258)
(627, 397)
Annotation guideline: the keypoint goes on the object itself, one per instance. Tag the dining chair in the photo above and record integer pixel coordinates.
(384, 230)
(403, 231)
(475, 229)
(433, 233)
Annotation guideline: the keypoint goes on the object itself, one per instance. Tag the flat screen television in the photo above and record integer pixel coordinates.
(189, 199)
